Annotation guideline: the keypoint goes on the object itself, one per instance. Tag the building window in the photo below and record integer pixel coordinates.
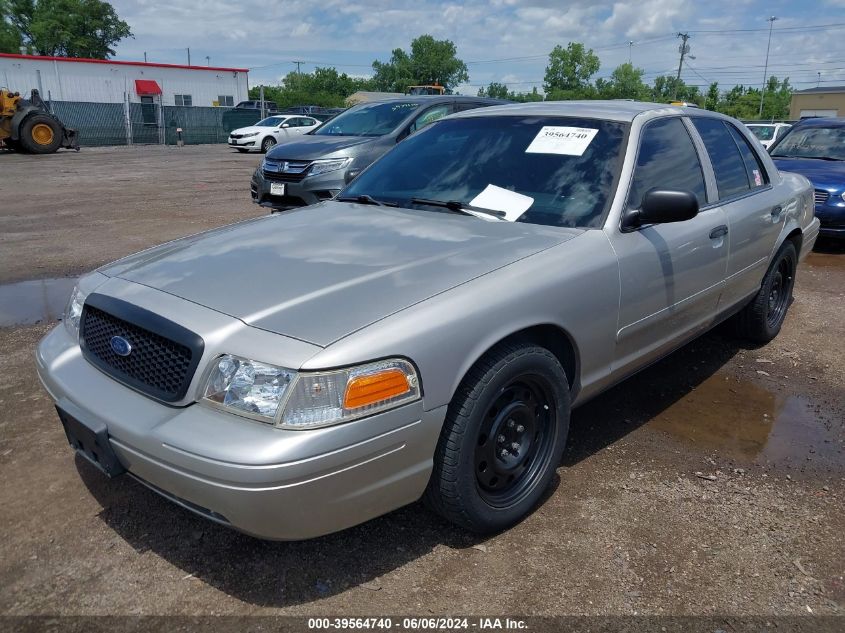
(226, 100)
(183, 100)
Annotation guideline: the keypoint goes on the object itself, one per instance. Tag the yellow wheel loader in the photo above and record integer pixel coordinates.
(27, 125)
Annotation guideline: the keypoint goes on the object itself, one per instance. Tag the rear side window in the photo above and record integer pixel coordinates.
(728, 165)
(753, 167)
(667, 160)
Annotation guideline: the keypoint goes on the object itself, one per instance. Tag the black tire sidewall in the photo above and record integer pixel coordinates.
(543, 364)
(787, 251)
(26, 134)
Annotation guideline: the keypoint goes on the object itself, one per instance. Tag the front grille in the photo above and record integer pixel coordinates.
(236, 135)
(163, 356)
(821, 196)
(285, 170)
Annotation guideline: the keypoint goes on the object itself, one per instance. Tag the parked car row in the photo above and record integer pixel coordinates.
(426, 332)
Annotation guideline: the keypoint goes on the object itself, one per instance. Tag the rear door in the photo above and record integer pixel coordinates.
(751, 205)
(671, 275)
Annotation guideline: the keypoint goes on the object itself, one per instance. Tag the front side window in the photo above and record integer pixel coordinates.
(555, 171)
(430, 116)
(666, 160)
(826, 143)
(272, 121)
(728, 166)
(374, 119)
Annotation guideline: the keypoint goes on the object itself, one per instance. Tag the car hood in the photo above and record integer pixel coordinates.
(251, 128)
(322, 272)
(826, 174)
(310, 147)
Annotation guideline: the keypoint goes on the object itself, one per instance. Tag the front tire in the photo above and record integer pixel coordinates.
(760, 321)
(40, 134)
(502, 439)
(267, 144)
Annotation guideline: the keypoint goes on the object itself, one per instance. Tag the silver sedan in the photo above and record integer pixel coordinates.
(427, 333)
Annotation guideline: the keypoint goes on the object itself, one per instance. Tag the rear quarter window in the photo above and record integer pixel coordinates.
(728, 164)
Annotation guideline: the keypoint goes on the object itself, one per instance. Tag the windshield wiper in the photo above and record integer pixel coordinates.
(365, 199)
(459, 207)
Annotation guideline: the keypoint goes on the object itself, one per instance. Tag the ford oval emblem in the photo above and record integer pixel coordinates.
(121, 346)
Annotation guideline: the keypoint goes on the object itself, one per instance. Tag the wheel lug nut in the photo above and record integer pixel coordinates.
(520, 428)
(501, 439)
(511, 424)
(514, 446)
(504, 453)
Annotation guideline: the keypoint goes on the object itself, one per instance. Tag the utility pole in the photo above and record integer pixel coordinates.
(684, 49)
(207, 60)
(819, 80)
(145, 57)
(297, 66)
(189, 56)
(630, 48)
(766, 67)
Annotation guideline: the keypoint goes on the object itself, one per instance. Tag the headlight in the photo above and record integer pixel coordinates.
(326, 165)
(310, 400)
(247, 386)
(251, 134)
(73, 312)
(843, 196)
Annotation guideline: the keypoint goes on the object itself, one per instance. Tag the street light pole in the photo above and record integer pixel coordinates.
(766, 67)
(630, 48)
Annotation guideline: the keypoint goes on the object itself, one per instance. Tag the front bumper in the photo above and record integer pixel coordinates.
(267, 482)
(832, 218)
(243, 143)
(309, 190)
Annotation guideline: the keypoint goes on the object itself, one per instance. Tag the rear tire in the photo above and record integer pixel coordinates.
(760, 321)
(40, 134)
(502, 439)
(267, 144)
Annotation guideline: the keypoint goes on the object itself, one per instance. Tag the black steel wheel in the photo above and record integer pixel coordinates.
(760, 321)
(502, 439)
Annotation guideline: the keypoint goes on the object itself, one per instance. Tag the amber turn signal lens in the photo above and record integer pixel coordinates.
(373, 388)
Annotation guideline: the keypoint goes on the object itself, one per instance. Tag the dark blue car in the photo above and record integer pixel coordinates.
(815, 148)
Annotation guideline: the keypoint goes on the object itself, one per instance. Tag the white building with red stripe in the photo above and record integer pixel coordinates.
(110, 81)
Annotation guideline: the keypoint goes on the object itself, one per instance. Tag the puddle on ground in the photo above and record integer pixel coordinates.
(28, 302)
(749, 422)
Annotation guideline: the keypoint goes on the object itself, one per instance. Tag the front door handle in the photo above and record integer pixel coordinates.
(719, 231)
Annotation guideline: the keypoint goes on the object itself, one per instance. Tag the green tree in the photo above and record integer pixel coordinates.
(667, 88)
(712, 100)
(626, 82)
(69, 28)
(10, 37)
(570, 69)
(324, 87)
(495, 91)
(430, 61)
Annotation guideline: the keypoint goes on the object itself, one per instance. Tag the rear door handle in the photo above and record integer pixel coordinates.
(719, 231)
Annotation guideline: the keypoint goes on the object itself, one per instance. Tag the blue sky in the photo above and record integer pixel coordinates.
(501, 40)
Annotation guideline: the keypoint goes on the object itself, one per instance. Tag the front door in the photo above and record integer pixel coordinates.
(671, 275)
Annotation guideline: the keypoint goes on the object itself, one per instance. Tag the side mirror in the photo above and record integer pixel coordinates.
(284, 125)
(351, 175)
(661, 206)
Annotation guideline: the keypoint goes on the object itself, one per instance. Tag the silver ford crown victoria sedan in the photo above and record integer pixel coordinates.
(426, 333)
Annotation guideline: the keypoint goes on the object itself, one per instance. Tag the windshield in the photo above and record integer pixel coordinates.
(557, 171)
(272, 121)
(376, 119)
(763, 132)
(813, 142)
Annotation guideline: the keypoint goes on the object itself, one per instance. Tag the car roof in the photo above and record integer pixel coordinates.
(829, 121)
(623, 111)
(426, 99)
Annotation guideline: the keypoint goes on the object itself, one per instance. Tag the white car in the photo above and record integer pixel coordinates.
(768, 133)
(267, 132)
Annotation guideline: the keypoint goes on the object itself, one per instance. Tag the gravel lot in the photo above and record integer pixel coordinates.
(711, 483)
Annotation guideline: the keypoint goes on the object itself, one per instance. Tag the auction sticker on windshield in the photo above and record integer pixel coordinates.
(555, 139)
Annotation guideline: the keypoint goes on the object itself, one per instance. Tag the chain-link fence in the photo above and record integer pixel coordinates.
(149, 123)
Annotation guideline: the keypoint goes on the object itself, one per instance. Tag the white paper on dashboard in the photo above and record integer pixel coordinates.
(556, 139)
(511, 203)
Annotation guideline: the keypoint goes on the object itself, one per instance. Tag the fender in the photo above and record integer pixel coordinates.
(19, 116)
(798, 210)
